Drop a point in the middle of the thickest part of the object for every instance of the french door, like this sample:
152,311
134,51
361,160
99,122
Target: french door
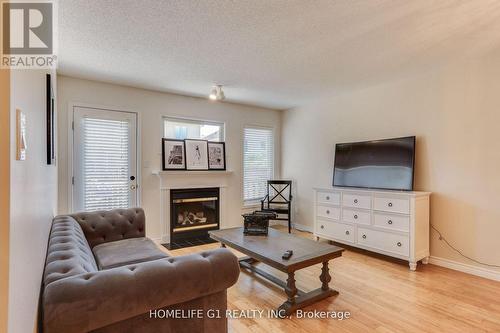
104,159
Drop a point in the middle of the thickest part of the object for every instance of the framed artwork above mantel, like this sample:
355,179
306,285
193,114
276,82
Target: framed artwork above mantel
173,154
216,156
196,154
193,155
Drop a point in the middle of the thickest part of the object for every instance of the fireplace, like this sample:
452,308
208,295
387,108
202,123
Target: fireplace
193,212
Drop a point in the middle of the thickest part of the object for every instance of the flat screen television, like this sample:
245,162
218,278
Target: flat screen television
379,164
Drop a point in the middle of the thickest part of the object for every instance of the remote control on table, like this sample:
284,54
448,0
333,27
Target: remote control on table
287,255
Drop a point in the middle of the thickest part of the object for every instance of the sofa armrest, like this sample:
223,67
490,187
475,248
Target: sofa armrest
112,225
93,300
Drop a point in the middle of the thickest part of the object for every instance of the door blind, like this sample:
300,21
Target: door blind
258,162
105,164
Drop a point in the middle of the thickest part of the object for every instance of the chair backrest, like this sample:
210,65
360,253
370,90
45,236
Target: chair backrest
279,191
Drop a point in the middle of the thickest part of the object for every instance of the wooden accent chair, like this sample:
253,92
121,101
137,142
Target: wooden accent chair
279,200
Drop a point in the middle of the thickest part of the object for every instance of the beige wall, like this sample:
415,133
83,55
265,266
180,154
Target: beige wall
4,195
455,114
33,200
152,106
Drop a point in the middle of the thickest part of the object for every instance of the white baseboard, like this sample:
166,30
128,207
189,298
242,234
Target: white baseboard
466,268
156,240
276,222
297,226
160,240
302,227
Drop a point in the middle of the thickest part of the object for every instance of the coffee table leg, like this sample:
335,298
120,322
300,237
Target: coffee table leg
293,303
291,289
325,277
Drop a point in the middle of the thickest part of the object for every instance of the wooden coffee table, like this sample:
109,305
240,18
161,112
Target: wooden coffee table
269,249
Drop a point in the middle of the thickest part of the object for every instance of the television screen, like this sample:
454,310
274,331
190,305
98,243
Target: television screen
382,164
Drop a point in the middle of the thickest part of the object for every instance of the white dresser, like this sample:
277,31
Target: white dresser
394,223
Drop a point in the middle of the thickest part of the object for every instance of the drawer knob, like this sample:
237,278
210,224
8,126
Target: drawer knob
347,232
328,211
389,222
389,204
399,244
355,200
355,216
327,197
322,227
364,236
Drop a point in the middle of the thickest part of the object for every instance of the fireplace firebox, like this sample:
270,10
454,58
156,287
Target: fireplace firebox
194,212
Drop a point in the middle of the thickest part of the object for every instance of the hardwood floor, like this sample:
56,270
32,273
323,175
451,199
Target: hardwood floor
381,294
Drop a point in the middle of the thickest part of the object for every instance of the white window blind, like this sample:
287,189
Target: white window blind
258,162
105,164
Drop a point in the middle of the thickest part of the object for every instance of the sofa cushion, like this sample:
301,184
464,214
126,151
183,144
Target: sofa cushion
126,252
68,253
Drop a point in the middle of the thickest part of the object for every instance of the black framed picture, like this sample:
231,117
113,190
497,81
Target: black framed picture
196,154
51,132
216,155
173,154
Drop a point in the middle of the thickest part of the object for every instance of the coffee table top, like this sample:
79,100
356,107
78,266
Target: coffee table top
270,248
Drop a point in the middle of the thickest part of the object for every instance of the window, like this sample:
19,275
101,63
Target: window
258,162
176,128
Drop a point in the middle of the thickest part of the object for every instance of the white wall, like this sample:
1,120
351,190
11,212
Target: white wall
152,106
33,200
455,114
4,195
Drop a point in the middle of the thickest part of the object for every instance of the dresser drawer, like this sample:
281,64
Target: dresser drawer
393,222
328,212
335,230
355,216
384,241
394,205
356,200
328,198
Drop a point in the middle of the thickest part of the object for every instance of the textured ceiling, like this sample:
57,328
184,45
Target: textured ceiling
272,53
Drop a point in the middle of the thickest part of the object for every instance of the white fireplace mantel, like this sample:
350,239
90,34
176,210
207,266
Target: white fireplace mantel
169,180
192,173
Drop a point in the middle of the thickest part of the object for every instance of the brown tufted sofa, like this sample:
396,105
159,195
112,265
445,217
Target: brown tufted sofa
103,275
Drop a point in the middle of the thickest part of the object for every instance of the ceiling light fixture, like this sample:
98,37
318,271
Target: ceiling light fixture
217,94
